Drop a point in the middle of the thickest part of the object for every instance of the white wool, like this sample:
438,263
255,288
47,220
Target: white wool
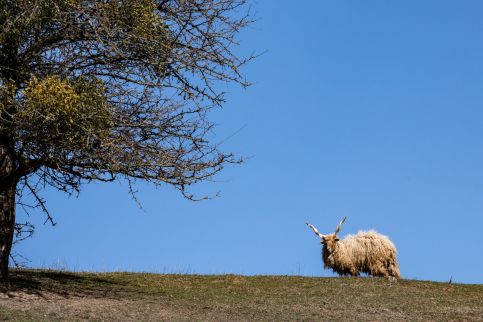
367,252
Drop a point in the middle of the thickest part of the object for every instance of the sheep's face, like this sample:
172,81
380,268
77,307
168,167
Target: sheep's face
330,242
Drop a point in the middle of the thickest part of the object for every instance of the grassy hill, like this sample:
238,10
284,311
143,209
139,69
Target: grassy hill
35,295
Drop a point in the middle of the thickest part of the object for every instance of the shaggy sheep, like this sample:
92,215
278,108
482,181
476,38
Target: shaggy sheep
367,252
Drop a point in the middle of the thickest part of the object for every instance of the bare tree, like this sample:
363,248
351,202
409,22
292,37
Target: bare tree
102,90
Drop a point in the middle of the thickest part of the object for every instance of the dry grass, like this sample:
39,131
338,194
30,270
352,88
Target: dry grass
60,296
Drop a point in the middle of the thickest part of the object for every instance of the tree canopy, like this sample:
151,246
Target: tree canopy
101,90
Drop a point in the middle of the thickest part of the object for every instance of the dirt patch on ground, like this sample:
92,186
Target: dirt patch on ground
53,307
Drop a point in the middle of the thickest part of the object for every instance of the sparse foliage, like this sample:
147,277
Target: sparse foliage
101,90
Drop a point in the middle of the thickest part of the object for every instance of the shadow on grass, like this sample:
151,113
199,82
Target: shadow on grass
65,284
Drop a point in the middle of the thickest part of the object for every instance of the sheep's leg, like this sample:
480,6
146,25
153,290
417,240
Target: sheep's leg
354,272
379,270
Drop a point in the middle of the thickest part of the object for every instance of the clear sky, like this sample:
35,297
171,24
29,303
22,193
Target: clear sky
366,109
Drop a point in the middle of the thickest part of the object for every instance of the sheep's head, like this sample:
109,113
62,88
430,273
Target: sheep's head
330,240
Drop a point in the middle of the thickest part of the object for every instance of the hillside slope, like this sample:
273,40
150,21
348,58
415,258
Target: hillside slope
58,296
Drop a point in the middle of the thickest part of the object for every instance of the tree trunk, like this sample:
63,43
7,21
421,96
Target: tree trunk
7,209
7,224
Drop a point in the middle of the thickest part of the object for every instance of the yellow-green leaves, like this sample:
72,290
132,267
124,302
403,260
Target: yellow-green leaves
140,16
54,99
137,17
22,18
74,110
7,95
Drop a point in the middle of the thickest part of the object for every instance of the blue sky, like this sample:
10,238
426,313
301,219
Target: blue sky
366,109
